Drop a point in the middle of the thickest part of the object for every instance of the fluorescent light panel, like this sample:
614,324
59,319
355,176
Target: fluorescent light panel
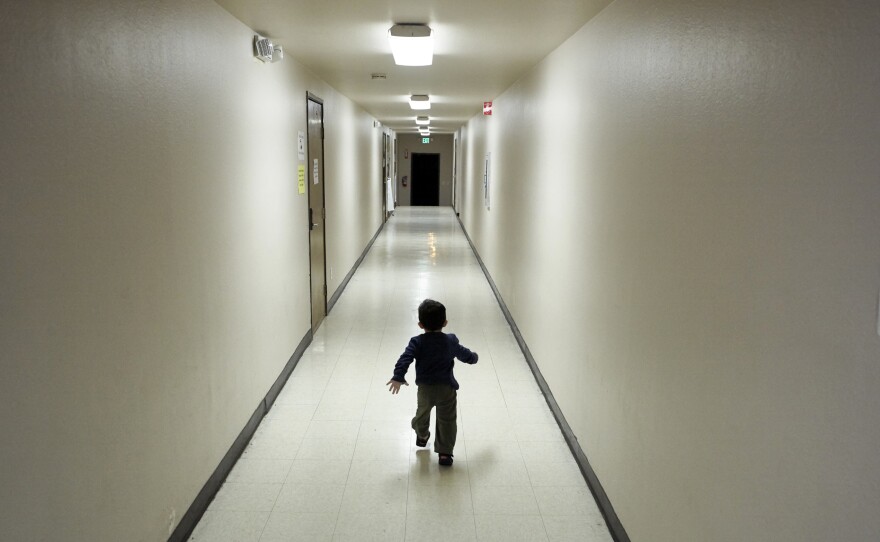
423,120
420,101
411,44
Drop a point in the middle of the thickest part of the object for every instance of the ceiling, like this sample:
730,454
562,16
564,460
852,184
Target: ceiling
480,48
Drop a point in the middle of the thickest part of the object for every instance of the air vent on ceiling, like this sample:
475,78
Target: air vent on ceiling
375,76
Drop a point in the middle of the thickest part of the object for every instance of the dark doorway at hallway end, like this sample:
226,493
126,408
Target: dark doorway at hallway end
425,179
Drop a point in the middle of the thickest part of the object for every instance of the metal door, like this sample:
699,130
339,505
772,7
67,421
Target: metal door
318,277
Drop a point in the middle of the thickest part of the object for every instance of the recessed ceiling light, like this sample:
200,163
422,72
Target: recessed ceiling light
420,101
411,44
422,120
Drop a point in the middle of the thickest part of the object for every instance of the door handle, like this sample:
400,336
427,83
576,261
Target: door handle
312,223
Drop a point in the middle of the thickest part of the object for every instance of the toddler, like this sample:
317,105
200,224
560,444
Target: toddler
434,353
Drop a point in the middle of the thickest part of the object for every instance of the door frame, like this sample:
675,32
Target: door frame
316,322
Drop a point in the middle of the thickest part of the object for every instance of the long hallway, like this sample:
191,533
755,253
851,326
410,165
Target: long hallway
335,458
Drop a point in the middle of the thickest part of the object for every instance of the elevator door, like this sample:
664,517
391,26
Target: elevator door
315,181
425,179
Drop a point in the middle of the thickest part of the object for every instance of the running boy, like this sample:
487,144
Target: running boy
433,352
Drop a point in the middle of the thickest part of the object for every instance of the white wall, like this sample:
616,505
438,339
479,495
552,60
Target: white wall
685,221
408,144
353,196
155,272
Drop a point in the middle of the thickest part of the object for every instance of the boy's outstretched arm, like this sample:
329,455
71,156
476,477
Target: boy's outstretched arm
464,354
401,367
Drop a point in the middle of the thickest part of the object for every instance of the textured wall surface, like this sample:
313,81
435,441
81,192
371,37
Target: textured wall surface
684,223
154,278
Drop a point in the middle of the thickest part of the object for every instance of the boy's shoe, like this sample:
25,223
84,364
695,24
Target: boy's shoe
421,442
446,460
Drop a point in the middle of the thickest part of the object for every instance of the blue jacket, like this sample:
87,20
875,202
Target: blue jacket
434,353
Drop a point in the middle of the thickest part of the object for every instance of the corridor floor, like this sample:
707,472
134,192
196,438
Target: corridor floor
335,458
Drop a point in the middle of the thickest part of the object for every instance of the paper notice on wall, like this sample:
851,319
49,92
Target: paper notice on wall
301,178
315,171
301,145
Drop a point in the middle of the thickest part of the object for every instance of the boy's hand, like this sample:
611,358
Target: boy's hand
394,386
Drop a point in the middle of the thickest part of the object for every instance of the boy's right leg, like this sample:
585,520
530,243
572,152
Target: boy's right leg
446,400
422,421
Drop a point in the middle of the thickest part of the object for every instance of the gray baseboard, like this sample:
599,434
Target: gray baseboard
198,507
611,520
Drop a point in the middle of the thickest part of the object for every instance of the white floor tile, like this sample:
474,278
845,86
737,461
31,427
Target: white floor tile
230,526
318,471
259,471
498,473
309,499
555,474
282,429
370,528
368,449
288,527
388,429
545,452
338,412
335,449
510,528
518,500
384,499
432,527
324,429
440,499
538,432
379,472
246,497
566,501
575,529
266,447
493,450
531,415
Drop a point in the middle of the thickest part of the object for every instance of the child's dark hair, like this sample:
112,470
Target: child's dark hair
432,315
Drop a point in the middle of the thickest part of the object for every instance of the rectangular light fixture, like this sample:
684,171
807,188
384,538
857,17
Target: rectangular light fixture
411,44
422,120
420,101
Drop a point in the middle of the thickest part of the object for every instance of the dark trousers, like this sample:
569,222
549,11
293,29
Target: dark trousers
443,397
